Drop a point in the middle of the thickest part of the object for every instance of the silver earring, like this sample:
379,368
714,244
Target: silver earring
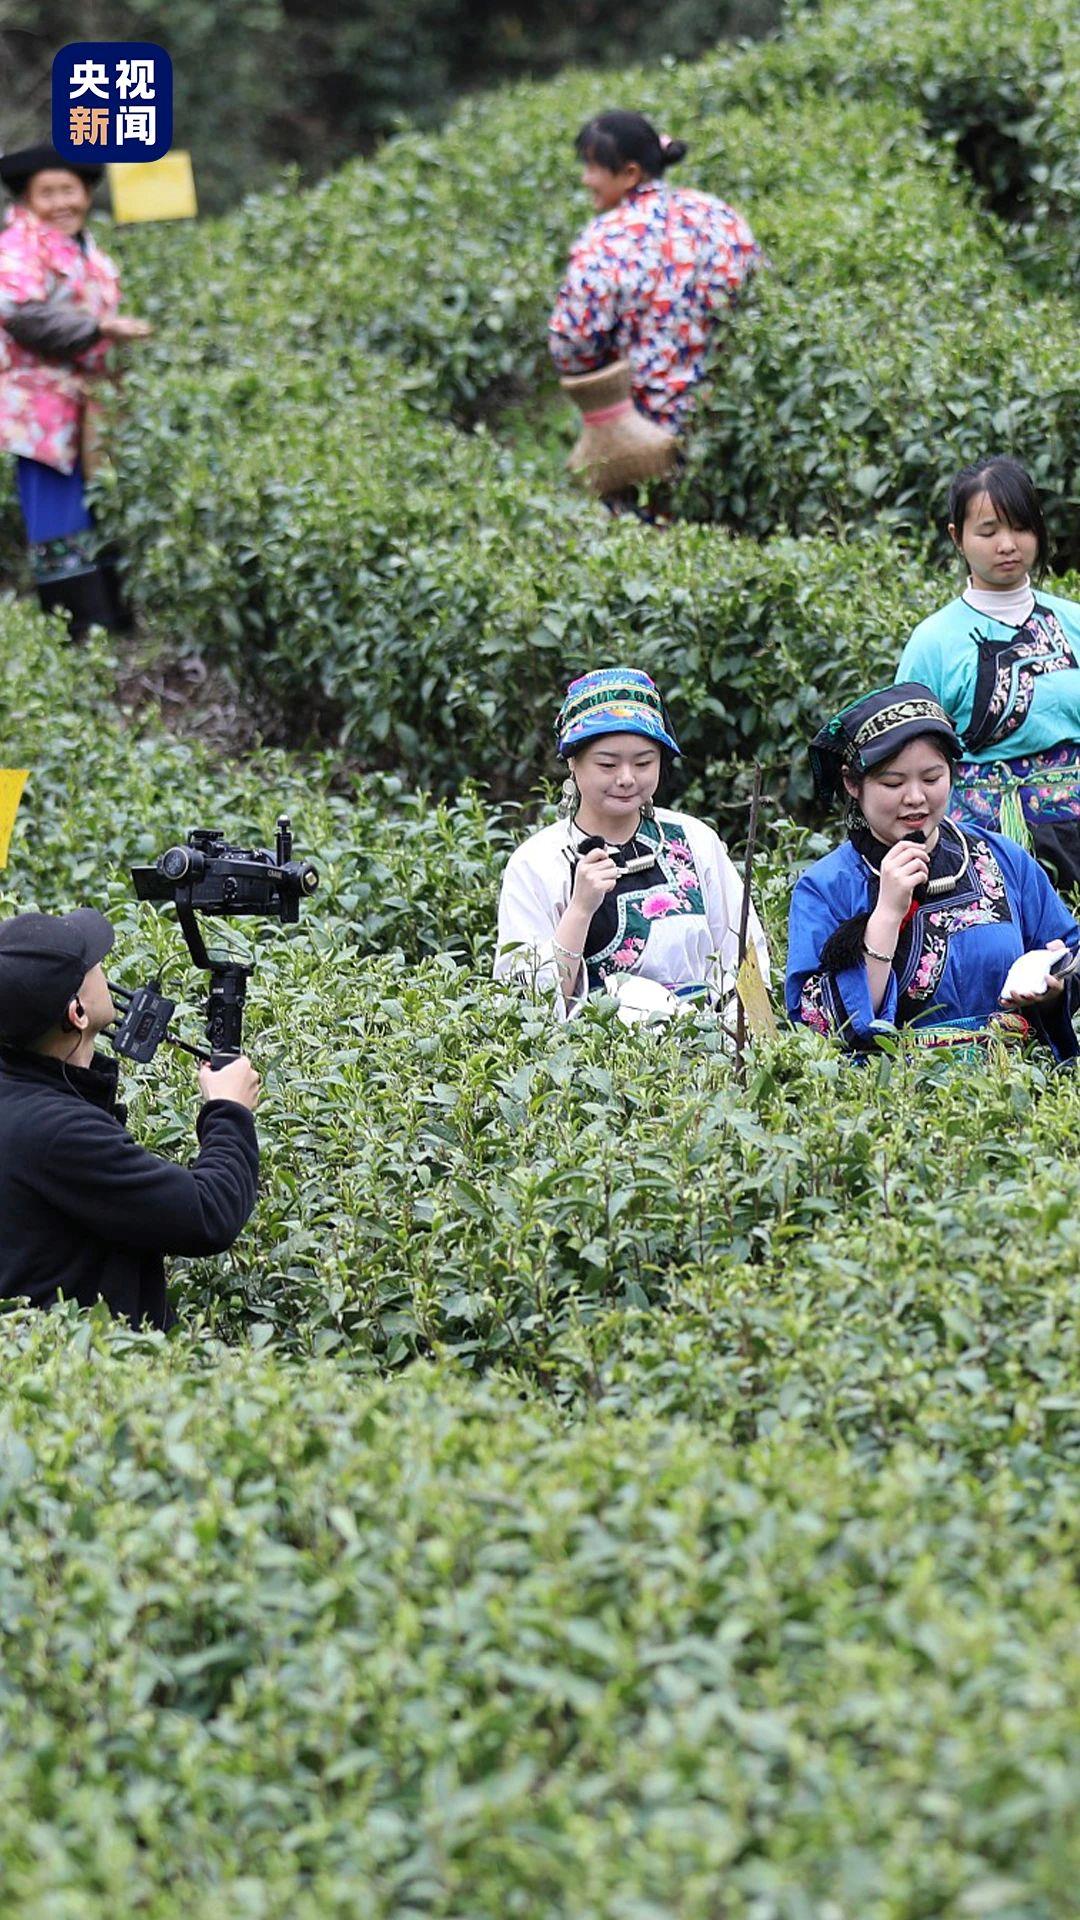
570,799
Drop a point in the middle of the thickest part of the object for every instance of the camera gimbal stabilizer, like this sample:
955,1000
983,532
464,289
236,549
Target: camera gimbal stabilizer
208,876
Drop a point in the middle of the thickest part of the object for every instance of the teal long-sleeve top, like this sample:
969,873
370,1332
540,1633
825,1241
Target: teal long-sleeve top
1009,691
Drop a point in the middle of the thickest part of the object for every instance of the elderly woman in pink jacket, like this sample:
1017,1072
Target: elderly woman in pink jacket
59,300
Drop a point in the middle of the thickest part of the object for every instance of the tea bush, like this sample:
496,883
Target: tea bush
407,874
529,1191
1000,90
430,618
594,1484
309,1646
374,575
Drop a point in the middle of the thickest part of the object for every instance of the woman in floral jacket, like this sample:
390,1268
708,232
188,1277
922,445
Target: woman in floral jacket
620,886
649,278
59,296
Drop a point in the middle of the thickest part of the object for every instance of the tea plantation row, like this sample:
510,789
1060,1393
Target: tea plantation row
283,1644
594,1487
446,1171
374,575
717,1546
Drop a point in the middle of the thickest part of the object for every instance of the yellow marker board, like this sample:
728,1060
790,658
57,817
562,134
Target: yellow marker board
11,787
153,189
754,995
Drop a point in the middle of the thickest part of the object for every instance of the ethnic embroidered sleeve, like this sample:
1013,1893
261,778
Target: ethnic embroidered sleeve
834,1001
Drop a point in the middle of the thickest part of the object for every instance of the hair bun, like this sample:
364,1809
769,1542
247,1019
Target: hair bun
672,151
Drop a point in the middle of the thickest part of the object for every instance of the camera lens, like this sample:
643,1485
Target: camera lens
175,864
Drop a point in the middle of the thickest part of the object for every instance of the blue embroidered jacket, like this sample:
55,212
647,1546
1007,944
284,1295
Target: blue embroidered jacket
952,958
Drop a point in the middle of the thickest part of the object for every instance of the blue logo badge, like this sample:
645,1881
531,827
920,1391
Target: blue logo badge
112,100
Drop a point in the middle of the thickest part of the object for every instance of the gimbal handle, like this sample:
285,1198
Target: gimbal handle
225,1010
228,989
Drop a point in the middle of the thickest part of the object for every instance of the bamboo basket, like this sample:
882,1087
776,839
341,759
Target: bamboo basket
618,446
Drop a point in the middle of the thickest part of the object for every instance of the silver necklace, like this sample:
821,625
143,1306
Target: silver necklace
946,881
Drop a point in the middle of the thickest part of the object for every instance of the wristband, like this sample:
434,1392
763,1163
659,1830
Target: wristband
871,955
565,953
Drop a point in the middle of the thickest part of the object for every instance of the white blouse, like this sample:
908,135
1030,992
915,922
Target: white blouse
681,933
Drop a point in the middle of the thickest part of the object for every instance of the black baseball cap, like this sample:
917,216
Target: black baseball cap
44,959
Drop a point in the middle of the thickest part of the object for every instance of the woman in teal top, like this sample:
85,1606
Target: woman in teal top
1004,661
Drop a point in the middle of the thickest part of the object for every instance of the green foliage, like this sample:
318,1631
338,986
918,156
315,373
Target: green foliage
400,873
429,615
1000,91
418,1649
594,1484
530,1191
260,84
419,592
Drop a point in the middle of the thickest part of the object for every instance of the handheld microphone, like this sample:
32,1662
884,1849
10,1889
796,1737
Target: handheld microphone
594,840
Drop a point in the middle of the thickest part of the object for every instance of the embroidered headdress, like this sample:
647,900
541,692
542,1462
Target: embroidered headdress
612,700
873,729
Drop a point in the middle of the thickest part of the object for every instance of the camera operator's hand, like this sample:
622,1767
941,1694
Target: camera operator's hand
238,1081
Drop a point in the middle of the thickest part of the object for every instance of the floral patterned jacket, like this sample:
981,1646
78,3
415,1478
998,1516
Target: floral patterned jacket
42,399
646,281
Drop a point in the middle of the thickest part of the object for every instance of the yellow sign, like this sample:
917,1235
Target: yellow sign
153,189
11,787
754,995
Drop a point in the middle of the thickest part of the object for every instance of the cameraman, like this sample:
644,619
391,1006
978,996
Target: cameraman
84,1210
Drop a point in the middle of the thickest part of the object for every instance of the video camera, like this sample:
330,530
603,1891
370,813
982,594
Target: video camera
208,876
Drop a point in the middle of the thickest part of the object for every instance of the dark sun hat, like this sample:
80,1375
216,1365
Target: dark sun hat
18,169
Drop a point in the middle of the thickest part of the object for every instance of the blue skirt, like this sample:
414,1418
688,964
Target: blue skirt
53,504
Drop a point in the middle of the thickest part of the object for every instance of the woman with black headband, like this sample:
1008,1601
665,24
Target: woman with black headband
916,921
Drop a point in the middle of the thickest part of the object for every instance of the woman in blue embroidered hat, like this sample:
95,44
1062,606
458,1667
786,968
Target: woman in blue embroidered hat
618,886
917,921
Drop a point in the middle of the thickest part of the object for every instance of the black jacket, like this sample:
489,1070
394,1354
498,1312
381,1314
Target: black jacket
86,1212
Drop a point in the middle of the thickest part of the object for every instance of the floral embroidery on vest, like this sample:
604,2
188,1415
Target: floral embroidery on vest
817,1004
979,900
640,909
1007,671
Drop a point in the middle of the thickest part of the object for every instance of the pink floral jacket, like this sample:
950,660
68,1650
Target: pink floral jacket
41,400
